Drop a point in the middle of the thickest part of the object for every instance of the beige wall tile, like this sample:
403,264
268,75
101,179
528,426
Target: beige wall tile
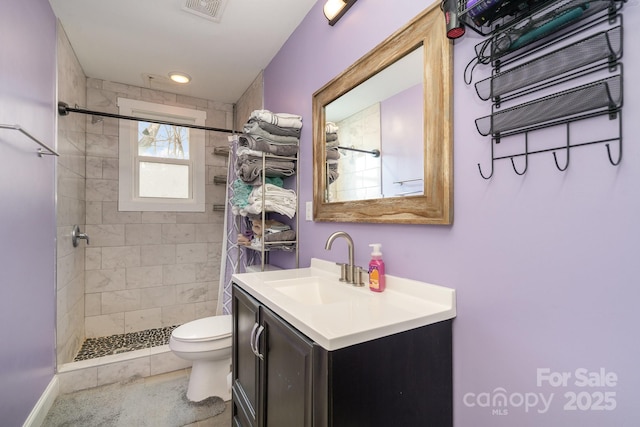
157,254
159,217
123,371
93,304
207,272
94,213
120,256
111,215
78,380
104,325
140,320
120,301
191,293
159,296
102,145
106,234
208,233
110,168
167,362
105,280
100,190
144,277
191,253
178,314
123,90
93,258
178,233
143,234
206,309
94,167
178,273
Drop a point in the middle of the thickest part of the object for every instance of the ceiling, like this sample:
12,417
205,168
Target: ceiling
138,42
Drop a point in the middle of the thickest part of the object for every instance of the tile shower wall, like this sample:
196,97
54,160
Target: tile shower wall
148,269
360,173
70,204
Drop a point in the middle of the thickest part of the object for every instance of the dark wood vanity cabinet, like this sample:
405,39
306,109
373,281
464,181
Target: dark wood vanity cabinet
272,368
289,381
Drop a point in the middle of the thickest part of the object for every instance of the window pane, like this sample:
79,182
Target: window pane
164,180
165,141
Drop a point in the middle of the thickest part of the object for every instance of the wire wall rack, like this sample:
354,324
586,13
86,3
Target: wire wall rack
486,16
562,75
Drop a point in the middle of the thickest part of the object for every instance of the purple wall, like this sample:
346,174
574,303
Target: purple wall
401,129
27,213
545,265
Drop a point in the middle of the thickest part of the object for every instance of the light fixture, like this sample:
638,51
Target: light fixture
334,9
181,78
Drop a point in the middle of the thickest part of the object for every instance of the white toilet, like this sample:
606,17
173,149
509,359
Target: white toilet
207,343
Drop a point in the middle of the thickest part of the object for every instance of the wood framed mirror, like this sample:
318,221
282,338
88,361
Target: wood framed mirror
423,38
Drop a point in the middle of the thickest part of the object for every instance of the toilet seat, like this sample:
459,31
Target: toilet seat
205,329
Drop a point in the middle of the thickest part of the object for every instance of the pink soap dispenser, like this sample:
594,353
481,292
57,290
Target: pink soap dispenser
376,269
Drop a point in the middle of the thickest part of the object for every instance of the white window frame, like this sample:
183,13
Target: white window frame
128,199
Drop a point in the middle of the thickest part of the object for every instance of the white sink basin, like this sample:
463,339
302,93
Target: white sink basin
336,314
315,290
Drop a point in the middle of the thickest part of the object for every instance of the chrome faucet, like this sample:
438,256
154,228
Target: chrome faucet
349,273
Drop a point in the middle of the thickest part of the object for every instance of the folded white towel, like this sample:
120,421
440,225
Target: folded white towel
285,120
331,127
276,199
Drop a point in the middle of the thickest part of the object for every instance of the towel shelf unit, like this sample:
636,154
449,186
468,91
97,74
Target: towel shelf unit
41,151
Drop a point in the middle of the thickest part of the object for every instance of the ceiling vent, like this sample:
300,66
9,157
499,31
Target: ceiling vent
209,9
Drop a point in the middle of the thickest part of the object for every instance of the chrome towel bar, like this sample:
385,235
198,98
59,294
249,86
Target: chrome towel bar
49,152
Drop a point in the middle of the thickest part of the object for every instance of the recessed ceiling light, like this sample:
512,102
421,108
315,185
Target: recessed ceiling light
180,77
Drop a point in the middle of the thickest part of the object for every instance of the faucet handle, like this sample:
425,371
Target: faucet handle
360,274
343,272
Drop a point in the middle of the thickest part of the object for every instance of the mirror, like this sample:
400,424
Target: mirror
408,123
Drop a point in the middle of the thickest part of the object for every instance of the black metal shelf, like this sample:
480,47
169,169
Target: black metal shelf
604,46
486,16
605,94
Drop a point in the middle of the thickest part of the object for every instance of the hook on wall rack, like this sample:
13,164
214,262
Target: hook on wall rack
555,150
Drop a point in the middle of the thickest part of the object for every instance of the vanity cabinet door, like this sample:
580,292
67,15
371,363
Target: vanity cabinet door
287,374
245,363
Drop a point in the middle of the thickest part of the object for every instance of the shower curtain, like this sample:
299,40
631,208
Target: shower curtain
234,258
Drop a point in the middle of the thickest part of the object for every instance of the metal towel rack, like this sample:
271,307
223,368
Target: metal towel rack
41,152
375,152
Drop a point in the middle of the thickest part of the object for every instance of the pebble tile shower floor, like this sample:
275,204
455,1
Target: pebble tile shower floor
121,343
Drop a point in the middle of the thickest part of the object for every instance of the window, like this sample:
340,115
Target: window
161,166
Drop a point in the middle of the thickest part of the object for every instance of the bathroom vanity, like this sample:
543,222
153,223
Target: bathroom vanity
309,350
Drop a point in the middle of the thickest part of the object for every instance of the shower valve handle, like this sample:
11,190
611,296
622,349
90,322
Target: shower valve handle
77,235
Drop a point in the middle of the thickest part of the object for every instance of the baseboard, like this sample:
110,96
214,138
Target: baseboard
40,410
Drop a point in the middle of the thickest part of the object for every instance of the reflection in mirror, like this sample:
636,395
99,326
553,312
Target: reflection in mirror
373,134
411,180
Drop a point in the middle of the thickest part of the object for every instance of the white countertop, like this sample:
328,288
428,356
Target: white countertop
405,304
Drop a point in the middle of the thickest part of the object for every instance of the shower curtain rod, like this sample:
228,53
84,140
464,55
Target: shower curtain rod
64,110
374,152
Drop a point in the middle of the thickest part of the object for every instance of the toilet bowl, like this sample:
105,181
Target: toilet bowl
207,343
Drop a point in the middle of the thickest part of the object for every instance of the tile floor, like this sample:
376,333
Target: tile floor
221,420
